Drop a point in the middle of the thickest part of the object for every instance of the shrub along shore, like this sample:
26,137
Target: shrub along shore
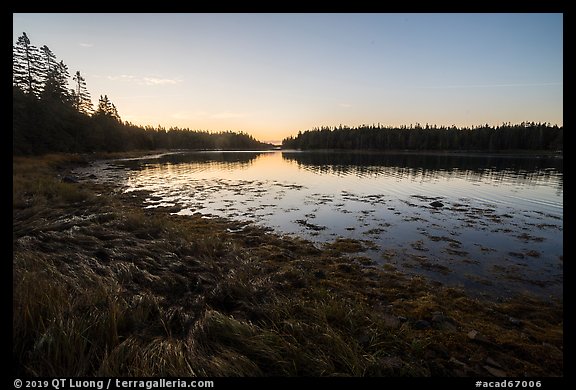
103,287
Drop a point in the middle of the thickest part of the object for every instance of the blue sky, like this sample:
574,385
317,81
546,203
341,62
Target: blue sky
271,75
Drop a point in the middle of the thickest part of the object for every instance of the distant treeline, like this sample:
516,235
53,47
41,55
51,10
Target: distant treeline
48,116
523,136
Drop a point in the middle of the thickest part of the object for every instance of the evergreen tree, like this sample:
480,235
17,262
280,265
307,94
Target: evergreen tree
48,117
107,108
49,59
27,66
56,84
82,101
525,136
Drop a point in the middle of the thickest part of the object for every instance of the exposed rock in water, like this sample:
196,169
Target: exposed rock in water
309,225
437,204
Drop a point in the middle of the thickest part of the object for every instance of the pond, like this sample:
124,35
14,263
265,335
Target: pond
492,224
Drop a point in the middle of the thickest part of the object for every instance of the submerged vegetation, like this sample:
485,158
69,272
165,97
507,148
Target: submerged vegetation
102,286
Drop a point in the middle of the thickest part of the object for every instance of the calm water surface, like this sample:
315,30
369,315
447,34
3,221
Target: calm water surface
498,232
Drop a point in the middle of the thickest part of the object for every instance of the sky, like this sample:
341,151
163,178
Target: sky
274,74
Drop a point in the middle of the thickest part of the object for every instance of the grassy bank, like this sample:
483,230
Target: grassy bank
104,287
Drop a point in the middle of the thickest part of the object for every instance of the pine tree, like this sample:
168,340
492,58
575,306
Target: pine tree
49,59
107,108
27,66
114,112
56,84
82,101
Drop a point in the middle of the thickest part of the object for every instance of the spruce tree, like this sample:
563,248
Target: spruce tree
48,59
27,66
56,84
107,108
82,101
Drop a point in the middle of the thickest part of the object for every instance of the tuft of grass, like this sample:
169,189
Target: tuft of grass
34,182
346,245
57,318
159,356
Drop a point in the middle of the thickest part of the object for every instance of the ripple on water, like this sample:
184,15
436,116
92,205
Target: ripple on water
487,215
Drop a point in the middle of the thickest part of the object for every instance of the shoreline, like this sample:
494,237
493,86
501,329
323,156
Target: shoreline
481,267
448,152
239,298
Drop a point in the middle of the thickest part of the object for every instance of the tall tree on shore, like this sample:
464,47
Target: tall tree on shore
56,84
107,108
82,101
27,66
48,58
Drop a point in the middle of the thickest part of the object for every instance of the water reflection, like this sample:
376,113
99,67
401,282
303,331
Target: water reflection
222,159
476,167
499,231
